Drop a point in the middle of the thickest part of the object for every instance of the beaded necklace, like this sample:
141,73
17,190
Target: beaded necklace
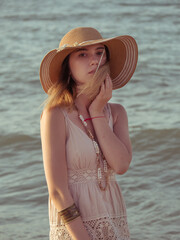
102,173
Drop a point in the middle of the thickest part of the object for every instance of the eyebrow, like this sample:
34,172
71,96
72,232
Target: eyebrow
85,49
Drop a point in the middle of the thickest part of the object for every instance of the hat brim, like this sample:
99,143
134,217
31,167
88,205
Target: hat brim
123,60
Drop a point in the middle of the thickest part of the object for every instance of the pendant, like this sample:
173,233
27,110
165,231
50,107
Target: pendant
99,173
96,147
105,166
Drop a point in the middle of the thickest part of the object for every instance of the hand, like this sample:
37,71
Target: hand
102,98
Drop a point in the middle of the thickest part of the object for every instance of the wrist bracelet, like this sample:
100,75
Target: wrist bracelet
93,118
69,214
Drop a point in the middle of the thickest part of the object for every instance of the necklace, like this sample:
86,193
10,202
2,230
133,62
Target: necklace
102,172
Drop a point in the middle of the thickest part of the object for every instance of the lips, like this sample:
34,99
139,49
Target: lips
92,71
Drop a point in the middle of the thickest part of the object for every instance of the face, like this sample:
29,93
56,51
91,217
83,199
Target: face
84,61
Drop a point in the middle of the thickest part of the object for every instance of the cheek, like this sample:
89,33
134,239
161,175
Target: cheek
75,70
72,66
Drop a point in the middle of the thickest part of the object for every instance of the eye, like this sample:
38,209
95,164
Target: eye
99,53
82,55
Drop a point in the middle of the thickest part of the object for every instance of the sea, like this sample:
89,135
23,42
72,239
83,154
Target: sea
151,187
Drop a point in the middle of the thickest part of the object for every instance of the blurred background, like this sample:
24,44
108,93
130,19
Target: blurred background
151,187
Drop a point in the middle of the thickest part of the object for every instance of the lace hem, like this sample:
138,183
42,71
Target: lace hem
115,228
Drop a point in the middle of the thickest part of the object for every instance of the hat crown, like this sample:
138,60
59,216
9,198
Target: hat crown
79,35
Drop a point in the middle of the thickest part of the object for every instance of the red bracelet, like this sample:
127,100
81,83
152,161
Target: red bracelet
93,118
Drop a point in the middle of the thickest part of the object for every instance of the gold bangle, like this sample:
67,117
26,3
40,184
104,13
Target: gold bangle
69,214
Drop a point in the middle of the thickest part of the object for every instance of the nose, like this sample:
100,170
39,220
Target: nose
94,60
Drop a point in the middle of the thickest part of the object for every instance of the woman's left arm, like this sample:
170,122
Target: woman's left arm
116,144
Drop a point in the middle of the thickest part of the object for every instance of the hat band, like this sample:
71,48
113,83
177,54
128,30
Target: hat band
76,44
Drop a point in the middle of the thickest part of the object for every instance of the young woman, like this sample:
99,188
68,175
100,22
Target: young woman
85,139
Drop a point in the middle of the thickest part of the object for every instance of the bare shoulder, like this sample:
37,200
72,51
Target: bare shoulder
53,118
52,114
118,111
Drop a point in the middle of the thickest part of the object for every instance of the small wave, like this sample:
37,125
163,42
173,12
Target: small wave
157,144
150,4
161,135
35,17
15,139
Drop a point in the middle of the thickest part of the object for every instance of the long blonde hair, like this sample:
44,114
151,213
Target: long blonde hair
63,93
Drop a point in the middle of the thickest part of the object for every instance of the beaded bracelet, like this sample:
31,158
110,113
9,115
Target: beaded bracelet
93,118
69,214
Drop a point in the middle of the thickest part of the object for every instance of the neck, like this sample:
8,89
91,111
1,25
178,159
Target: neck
82,103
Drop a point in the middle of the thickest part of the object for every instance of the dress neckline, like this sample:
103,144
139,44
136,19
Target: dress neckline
77,126
107,108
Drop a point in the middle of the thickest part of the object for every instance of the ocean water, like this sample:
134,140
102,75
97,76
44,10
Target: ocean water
151,187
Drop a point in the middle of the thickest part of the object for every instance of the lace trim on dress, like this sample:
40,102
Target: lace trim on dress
84,175
106,228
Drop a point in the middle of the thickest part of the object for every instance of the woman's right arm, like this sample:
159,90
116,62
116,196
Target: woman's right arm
53,139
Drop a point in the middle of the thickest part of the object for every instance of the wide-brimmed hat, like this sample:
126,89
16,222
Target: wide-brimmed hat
123,55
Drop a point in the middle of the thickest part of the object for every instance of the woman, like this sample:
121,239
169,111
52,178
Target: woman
85,139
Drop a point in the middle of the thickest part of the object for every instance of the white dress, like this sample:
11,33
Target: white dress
103,212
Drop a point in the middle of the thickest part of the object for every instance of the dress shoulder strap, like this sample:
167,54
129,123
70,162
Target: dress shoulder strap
66,120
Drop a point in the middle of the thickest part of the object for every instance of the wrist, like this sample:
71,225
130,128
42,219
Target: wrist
94,113
91,118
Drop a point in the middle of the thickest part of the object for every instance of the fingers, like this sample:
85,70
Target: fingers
104,95
102,89
108,82
106,88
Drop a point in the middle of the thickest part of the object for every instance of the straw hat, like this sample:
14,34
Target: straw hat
123,53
